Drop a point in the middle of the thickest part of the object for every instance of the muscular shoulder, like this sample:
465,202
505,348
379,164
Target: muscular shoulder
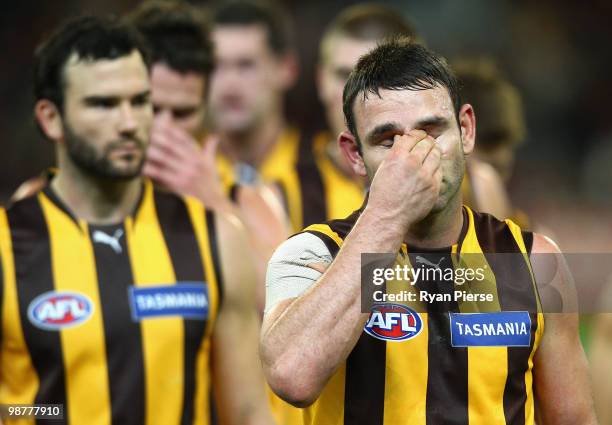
544,245
556,286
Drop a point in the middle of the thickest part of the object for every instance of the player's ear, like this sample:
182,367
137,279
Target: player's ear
49,119
352,152
467,126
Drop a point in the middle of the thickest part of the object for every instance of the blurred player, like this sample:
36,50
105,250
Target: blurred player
353,33
178,158
255,66
121,302
501,127
409,134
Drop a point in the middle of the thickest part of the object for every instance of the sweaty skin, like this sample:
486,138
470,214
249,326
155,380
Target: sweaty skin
414,198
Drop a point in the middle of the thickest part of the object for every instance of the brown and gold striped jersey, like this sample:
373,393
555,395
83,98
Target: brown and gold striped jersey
429,378
114,321
312,187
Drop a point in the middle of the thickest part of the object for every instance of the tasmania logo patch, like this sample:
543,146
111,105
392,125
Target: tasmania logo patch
393,322
55,310
183,299
502,329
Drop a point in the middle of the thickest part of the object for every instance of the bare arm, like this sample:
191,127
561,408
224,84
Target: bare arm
304,340
600,354
266,231
238,380
562,387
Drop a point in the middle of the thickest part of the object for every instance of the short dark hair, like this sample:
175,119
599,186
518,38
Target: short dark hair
178,35
90,38
496,101
397,64
368,22
271,16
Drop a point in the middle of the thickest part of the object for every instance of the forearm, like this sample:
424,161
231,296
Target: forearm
561,377
239,383
308,355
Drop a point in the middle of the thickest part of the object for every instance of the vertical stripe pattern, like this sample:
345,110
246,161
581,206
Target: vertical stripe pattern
485,388
447,378
425,380
206,235
213,249
123,337
494,238
162,338
101,362
83,346
186,261
312,190
31,251
19,378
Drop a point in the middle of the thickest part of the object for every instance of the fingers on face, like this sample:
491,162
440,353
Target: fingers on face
408,141
173,139
431,164
422,149
165,174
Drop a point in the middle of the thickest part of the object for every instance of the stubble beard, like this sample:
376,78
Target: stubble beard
88,160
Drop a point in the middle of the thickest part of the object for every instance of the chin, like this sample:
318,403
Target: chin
233,121
124,175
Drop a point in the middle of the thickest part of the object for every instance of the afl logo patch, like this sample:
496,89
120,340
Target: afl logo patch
58,310
393,322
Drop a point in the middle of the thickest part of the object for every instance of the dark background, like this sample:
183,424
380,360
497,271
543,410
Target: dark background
557,53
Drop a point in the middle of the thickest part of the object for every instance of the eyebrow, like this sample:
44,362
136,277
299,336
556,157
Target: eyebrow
433,121
381,129
388,127
96,97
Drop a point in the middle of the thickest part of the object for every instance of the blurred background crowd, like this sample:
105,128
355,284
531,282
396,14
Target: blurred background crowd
556,54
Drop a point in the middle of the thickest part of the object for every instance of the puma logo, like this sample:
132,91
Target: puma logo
112,241
422,260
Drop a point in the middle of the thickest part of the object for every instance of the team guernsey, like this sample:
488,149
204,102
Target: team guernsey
457,361
313,189
114,322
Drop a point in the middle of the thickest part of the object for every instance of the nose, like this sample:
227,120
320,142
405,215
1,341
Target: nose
226,78
127,121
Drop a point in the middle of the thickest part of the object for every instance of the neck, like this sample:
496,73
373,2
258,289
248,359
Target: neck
439,229
93,199
254,145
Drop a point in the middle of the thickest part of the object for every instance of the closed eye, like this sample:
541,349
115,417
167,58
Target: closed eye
434,127
387,139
